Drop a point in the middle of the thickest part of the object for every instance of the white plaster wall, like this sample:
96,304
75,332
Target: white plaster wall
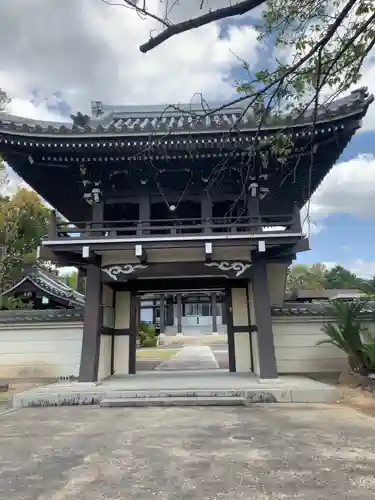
104,369
296,349
121,355
121,347
105,357
242,350
276,276
239,307
254,335
107,304
40,350
241,339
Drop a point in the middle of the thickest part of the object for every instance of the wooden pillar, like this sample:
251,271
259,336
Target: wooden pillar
97,212
92,321
179,313
253,212
97,216
144,213
154,312
223,313
81,281
206,211
169,307
296,226
227,305
262,307
213,312
133,331
162,313
52,226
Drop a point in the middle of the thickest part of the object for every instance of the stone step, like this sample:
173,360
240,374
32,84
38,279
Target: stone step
172,401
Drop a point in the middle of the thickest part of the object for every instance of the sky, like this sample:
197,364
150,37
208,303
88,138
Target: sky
57,56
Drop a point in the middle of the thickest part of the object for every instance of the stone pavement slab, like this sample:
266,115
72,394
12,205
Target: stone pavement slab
300,452
191,358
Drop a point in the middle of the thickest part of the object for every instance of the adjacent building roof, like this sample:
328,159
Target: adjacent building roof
41,315
323,294
50,285
67,315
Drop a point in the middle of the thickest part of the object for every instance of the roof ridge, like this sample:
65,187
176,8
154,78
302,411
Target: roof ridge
146,119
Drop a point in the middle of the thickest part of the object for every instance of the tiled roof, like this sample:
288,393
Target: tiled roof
323,293
57,315
52,285
141,120
41,316
317,309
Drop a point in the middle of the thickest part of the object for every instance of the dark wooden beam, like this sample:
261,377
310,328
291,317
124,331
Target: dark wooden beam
162,313
81,281
133,327
262,306
296,225
176,284
92,323
179,313
206,210
303,245
251,328
230,330
52,226
61,258
213,312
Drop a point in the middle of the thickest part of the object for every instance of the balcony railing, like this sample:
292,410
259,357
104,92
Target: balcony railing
174,227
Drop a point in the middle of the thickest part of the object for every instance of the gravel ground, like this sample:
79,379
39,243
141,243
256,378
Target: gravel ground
307,452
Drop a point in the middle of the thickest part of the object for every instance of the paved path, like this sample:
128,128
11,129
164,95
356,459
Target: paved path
271,452
191,358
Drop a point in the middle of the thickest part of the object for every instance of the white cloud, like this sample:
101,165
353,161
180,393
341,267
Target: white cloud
24,108
90,51
348,188
362,268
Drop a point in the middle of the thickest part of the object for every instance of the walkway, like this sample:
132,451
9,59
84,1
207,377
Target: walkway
191,358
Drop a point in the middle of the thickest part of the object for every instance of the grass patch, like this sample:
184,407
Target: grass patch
5,396
156,353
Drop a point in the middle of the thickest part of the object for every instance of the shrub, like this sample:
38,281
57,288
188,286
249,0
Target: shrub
369,354
150,342
148,329
346,333
147,335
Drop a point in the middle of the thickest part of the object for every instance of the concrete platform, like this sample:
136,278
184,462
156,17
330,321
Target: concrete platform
183,384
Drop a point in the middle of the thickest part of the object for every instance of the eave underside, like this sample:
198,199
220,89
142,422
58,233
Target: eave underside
54,171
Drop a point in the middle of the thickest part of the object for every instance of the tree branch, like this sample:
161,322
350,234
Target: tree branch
292,69
196,22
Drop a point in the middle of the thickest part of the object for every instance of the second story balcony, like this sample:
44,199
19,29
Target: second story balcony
194,245
183,229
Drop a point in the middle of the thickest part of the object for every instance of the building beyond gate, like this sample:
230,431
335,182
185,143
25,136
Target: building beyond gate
175,203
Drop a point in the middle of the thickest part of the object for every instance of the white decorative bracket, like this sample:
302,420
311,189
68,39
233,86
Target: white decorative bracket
114,271
238,267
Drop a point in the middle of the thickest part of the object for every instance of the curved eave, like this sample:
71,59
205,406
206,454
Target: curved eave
66,301
128,128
